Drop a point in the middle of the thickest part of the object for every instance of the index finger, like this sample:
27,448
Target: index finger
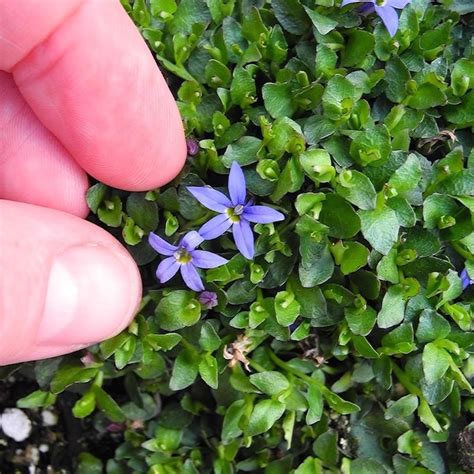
87,74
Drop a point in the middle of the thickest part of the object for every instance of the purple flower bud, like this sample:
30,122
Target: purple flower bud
192,146
115,427
208,299
88,359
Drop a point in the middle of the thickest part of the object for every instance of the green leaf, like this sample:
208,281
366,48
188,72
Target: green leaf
189,13
208,370
355,257
110,211
367,466
287,308
436,362
143,212
360,320
436,207
217,74
405,214
279,100
396,78
37,399
339,404
243,90
243,151
177,310
270,382
164,342
371,146
458,184
432,326
108,405
69,375
185,370
462,114
89,464
402,408
209,339
407,176
393,307
318,127
231,424
95,195
380,228
387,268
317,165
322,23
316,264
85,405
357,188
310,466
424,242
291,16
264,416
314,398
339,98
426,96
340,217
325,447
359,46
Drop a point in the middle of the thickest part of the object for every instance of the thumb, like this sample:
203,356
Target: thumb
66,284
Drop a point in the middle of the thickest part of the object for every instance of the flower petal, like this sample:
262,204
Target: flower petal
204,259
167,269
346,2
262,214
215,227
237,186
191,240
210,198
160,245
398,3
243,237
191,277
389,17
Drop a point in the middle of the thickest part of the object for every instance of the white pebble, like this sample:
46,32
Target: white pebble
15,424
44,448
49,418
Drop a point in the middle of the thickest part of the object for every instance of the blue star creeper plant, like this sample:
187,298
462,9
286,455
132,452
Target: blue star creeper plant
346,344
237,212
185,258
385,9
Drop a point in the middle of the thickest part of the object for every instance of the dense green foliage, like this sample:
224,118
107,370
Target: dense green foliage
351,318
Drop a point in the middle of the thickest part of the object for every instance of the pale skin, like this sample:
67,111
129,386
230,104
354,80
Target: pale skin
79,94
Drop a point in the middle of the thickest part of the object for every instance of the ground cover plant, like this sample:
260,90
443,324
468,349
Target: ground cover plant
308,295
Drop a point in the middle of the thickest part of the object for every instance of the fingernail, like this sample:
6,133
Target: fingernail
92,294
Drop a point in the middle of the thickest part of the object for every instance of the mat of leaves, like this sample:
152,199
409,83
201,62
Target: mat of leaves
345,344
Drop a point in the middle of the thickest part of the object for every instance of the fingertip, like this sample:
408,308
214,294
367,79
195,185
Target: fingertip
92,294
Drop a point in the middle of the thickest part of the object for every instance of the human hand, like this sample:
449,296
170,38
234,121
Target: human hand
79,92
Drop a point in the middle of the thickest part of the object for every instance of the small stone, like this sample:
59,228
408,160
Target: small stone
49,418
15,424
43,448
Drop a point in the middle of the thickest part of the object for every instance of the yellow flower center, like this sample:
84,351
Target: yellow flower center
182,256
234,213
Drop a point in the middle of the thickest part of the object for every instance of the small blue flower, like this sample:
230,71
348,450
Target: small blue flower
465,279
385,9
236,212
185,258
